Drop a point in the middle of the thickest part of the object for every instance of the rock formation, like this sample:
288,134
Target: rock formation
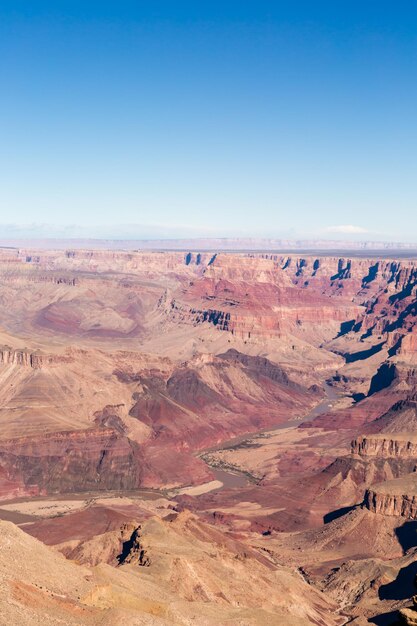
266,393
197,575
396,497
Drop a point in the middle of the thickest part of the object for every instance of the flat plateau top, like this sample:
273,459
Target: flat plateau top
404,486
345,253
411,437
365,249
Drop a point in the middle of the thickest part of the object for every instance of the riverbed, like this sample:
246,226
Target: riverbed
233,478
228,477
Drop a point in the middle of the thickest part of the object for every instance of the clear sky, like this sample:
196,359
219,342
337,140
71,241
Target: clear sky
189,118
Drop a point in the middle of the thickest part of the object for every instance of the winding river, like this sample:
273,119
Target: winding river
235,479
229,478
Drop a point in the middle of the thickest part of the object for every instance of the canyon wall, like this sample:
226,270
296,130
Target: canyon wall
301,319
397,505
397,446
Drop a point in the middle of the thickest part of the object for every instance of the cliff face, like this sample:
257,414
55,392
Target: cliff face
56,435
309,315
8,356
407,345
48,263
85,460
354,305
374,461
34,360
386,446
263,297
397,497
398,505
352,300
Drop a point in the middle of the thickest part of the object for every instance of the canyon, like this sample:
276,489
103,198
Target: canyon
207,437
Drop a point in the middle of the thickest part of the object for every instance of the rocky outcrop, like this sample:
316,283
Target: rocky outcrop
271,295
35,360
219,319
396,497
397,446
382,466
25,358
64,462
200,404
408,616
133,550
201,576
391,504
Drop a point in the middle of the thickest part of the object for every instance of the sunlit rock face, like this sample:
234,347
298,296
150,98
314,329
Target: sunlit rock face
267,401
191,349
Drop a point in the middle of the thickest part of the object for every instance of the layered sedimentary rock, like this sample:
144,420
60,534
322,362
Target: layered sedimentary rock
269,318
401,416
398,445
273,293
119,368
35,360
257,296
152,421
347,301
395,497
89,459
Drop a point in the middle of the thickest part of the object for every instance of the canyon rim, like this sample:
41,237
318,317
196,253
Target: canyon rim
207,437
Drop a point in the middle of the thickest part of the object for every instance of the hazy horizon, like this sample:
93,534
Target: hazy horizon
219,244
138,232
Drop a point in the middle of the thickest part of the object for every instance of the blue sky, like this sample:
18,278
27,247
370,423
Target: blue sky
138,119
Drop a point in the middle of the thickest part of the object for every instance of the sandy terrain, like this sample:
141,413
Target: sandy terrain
200,489
46,508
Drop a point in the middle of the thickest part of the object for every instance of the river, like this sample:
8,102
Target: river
235,479
229,478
